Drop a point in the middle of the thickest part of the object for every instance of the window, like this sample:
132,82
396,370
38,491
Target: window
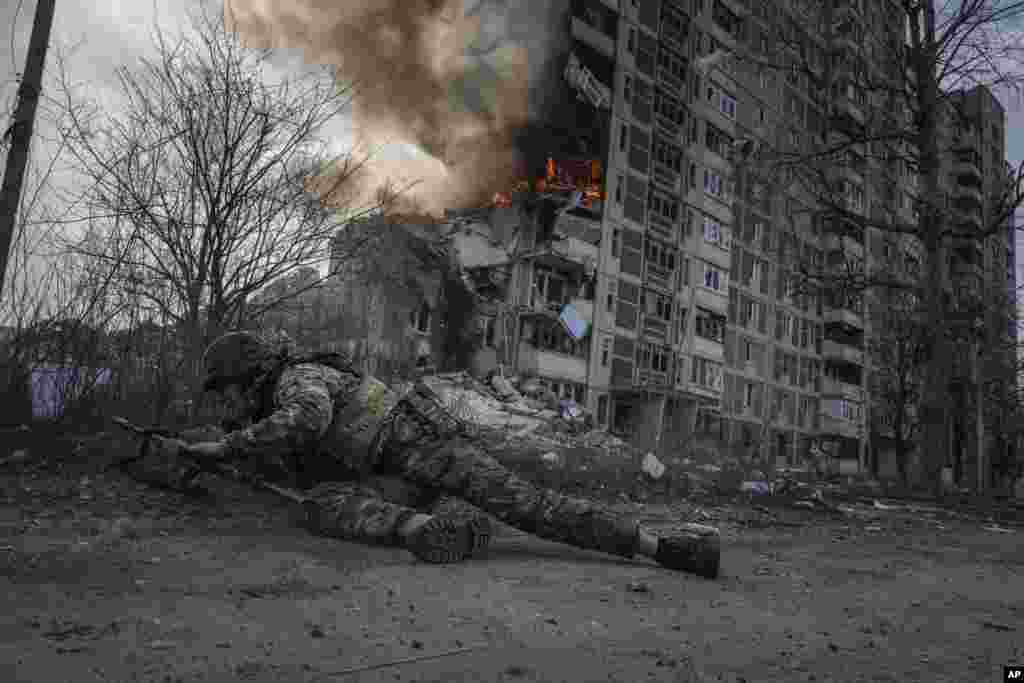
623,136
668,155
783,325
656,305
748,395
727,105
616,242
714,278
613,290
631,42
669,107
665,207
671,65
606,345
710,325
639,149
618,189
627,89
490,332
706,373
653,357
661,255
420,318
714,184
717,141
725,102
854,197
712,231
846,410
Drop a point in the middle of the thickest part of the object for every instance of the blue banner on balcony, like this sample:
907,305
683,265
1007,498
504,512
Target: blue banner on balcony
576,326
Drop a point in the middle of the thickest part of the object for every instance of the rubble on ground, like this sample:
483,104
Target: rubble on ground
554,439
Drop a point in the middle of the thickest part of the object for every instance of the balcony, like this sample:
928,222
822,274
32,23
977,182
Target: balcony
845,316
656,329
666,177
834,388
667,127
551,364
671,82
833,350
712,300
661,227
708,348
836,426
658,277
588,35
569,254
650,379
674,27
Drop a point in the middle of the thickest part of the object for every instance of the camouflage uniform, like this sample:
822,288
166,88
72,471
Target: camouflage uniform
347,426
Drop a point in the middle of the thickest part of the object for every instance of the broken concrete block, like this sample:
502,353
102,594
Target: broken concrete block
652,467
551,459
503,388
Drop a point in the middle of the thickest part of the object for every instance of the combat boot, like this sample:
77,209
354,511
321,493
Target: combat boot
449,538
695,548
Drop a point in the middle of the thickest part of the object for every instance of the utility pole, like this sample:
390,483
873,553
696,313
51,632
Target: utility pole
21,129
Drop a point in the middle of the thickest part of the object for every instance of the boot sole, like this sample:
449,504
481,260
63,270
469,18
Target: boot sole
445,539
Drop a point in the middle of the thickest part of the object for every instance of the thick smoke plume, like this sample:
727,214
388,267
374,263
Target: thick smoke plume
453,80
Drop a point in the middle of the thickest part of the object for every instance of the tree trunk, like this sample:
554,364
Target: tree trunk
935,407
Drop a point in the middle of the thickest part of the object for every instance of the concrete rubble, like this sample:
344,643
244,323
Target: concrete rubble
524,417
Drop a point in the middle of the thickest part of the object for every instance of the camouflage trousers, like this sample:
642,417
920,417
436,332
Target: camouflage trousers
461,468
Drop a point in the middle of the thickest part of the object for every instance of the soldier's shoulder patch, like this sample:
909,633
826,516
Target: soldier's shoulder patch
376,399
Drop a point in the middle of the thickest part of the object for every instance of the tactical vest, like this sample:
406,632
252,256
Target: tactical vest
365,412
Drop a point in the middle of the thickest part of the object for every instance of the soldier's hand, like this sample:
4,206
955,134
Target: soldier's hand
210,450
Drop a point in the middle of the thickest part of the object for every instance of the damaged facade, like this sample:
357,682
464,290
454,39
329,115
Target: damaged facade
640,269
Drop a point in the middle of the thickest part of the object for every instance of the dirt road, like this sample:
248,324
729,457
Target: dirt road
105,581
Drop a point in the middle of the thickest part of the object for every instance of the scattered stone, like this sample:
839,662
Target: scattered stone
317,632
638,587
551,459
652,467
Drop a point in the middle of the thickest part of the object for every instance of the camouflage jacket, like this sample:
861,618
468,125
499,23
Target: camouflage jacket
318,410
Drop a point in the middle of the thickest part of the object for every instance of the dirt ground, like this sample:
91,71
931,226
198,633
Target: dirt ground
105,580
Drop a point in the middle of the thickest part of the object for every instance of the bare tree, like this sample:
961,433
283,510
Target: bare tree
897,352
205,186
887,86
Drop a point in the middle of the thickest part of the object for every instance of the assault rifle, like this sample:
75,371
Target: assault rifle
146,436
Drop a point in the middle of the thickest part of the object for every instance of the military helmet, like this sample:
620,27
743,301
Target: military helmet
235,358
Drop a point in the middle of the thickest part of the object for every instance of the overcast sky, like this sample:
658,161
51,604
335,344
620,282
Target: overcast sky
109,33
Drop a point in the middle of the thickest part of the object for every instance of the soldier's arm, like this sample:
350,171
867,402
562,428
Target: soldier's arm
204,433
305,413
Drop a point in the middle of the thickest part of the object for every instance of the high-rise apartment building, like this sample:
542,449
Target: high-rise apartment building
688,249
698,309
